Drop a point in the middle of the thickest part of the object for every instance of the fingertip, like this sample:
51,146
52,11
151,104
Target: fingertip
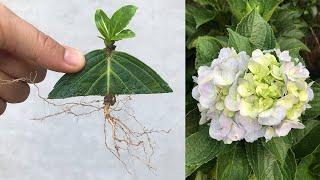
74,59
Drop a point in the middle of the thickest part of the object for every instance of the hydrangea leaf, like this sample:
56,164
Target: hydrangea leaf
313,112
201,148
233,164
238,42
259,32
308,143
201,15
308,166
278,147
192,116
207,49
116,73
240,8
294,46
266,166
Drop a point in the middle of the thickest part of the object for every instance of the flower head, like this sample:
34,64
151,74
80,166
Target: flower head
251,97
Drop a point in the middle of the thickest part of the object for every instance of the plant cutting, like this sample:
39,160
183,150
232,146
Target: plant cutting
252,108
109,73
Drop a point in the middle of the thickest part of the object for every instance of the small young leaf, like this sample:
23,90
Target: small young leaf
103,23
259,32
238,42
121,18
207,49
117,73
125,34
233,164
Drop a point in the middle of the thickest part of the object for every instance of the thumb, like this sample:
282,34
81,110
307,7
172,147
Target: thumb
22,39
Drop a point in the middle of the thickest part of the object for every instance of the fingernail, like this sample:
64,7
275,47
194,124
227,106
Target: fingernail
74,57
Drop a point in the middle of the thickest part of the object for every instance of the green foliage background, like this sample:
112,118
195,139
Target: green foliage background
247,25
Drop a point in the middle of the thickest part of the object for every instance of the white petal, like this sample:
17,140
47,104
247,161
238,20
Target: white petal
236,133
284,128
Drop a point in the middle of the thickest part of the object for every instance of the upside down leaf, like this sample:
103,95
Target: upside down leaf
259,32
117,73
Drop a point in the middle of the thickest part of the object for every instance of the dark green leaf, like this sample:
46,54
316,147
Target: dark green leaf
233,164
238,42
306,167
257,30
117,73
200,149
192,116
127,33
308,143
279,147
103,23
207,49
266,166
298,134
121,18
314,111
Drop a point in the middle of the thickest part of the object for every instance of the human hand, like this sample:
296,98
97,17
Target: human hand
25,52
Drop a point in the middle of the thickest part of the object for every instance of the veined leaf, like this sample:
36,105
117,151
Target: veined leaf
233,164
117,73
103,23
306,167
279,147
127,33
240,8
259,32
121,18
266,166
200,149
294,46
207,49
201,15
238,42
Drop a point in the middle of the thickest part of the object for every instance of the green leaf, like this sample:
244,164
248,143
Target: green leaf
238,42
259,32
200,149
279,147
103,23
233,164
201,15
116,73
125,34
192,116
298,134
121,18
207,49
314,111
266,166
308,143
294,46
305,170
240,8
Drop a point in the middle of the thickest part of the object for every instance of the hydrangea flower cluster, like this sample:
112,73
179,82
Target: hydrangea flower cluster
245,97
